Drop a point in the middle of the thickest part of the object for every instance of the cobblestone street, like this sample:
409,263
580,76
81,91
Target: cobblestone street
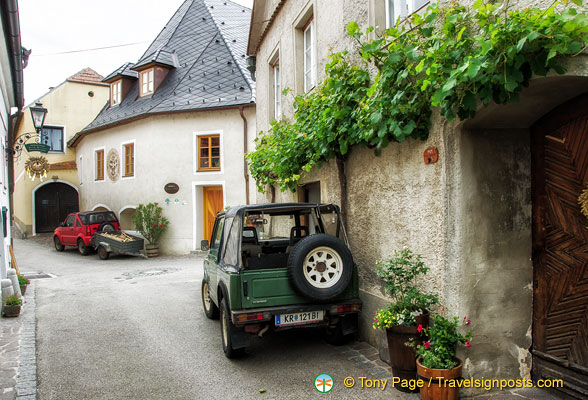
133,328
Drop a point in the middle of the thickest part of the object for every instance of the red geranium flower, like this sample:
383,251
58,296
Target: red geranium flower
467,343
420,328
161,226
155,225
427,344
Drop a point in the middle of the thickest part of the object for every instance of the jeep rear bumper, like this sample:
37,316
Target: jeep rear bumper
258,315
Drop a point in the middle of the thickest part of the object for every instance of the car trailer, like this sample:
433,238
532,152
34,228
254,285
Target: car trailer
119,243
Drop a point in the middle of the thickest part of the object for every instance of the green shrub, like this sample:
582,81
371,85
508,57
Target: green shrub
149,220
13,300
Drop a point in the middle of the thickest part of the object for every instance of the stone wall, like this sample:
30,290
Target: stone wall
468,215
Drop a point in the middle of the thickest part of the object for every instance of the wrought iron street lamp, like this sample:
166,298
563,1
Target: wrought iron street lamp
38,113
32,141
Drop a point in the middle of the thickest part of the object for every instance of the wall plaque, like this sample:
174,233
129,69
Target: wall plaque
112,164
171,188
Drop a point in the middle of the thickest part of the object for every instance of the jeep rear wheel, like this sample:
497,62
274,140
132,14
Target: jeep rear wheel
210,309
82,248
320,266
106,227
227,332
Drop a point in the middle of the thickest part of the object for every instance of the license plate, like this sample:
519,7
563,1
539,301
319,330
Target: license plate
299,318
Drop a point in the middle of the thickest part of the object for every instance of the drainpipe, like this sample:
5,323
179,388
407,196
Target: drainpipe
17,58
13,123
245,166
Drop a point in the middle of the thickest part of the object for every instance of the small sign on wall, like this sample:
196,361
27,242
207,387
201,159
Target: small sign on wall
171,188
431,155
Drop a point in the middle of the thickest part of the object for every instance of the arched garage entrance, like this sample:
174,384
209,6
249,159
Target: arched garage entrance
126,218
53,201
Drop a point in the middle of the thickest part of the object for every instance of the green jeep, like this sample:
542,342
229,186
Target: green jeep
280,266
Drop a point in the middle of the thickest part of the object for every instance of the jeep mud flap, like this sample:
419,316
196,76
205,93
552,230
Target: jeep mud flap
240,339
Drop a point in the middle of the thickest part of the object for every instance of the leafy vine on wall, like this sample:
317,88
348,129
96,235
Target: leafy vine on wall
452,58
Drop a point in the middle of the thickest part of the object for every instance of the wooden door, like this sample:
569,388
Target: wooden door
560,247
212,200
53,202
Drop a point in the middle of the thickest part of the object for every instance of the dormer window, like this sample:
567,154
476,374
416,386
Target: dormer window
146,82
115,93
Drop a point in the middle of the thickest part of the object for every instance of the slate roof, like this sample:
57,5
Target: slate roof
161,57
207,40
124,70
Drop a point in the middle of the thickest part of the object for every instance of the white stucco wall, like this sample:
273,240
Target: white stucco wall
6,102
165,148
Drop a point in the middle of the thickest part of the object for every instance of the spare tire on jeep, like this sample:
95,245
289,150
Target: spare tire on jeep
320,266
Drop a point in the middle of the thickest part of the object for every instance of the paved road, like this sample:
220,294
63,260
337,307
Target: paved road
129,328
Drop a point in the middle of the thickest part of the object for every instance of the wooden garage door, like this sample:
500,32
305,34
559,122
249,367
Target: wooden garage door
560,247
53,202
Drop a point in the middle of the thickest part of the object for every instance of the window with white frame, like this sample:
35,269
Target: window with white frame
115,93
129,160
309,57
53,136
99,158
277,90
146,82
401,9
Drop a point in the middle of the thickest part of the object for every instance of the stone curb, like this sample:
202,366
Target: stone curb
18,369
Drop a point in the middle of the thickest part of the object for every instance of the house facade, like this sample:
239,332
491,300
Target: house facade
497,222
40,204
12,63
175,129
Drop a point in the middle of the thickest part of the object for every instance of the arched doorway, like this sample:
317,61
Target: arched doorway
53,202
126,218
560,246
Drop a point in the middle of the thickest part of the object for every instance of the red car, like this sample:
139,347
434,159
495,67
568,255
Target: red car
79,229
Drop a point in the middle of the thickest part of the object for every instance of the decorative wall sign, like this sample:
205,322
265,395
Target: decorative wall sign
40,147
431,155
37,167
171,188
113,164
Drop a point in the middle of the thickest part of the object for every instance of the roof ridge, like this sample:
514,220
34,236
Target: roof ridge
229,46
174,31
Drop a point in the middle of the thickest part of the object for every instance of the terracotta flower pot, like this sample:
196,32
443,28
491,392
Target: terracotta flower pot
437,382
152,250
402,357
10,311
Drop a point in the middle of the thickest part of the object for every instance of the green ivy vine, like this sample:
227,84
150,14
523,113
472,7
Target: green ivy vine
452,58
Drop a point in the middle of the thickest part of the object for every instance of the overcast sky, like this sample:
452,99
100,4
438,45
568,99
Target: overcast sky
61,26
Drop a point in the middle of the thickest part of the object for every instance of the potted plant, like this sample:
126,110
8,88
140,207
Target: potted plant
23,283
436,362
149,220
11,307
407,314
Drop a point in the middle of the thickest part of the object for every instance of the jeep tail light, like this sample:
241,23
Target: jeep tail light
250,317
345,308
